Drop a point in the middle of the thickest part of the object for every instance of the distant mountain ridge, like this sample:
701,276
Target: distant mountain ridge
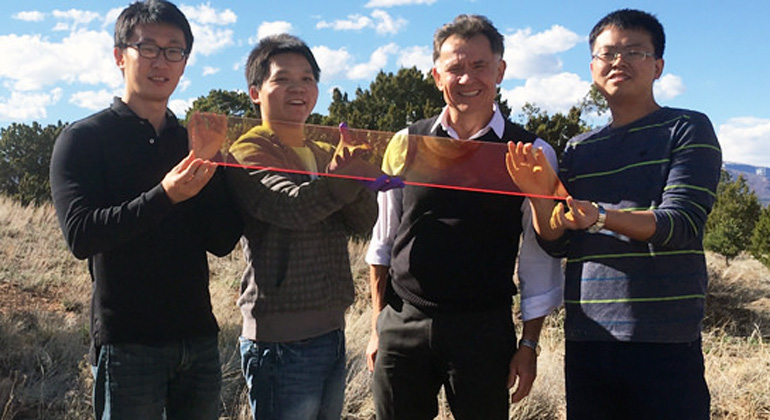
757,178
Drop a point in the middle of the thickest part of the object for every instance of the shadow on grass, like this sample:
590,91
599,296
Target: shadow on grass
42,360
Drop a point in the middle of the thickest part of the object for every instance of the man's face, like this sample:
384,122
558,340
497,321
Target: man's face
151,79
467,72
624,78
289,92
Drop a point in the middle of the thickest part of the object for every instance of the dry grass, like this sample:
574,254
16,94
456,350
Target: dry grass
44,295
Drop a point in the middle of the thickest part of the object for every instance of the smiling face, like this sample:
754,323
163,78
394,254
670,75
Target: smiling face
150,79
289,92
467,72
622,81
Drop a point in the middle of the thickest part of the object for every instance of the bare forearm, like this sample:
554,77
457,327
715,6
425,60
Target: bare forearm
378,277
542,210
638,225
532,329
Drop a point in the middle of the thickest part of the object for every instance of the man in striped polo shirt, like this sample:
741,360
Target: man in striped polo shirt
640,191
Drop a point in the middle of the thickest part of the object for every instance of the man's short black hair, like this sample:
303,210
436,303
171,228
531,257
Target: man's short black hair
151,12
466,27
625,19
258,64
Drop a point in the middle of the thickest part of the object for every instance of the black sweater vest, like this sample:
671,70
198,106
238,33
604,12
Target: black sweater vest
456,250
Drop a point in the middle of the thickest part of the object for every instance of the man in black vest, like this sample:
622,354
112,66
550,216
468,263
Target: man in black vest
442,261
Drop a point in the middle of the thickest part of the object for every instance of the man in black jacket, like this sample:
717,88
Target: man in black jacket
144,211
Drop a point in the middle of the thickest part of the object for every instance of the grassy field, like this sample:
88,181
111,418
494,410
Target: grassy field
44,301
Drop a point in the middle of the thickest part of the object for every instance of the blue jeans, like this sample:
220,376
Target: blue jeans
174,380
299,380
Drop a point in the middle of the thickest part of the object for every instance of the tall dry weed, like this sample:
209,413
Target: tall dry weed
44,373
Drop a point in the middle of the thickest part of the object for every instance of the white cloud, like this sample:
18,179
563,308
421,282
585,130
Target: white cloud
206,23
180,106
421,57
77,18
83,56
352,23
337,64
385,24
208,70
377,61
380,21
745,140
534,55
61,27
241,64
669,86
272,28
209,39
207,15
31,16
111,17
22,106
391,3
93,100
554,93
184,84
333,63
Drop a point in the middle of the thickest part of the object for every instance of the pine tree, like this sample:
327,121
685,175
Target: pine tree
731,222
760,238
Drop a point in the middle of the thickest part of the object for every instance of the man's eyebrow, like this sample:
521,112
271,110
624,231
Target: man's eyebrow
175,42
634,45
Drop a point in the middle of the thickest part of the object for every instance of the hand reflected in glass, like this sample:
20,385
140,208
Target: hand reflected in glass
206,133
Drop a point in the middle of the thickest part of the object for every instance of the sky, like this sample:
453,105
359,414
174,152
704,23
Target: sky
56,61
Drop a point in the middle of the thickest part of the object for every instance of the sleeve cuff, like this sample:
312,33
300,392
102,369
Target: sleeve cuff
378,254
542,304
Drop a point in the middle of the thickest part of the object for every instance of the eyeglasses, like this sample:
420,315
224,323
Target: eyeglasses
172,54
632,56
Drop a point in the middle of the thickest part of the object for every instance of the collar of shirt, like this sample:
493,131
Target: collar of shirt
123,111
496,124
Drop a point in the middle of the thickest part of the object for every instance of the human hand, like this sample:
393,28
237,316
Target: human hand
348,158
206,133
371,350
187,178
581,214
522,372
529,168
356,147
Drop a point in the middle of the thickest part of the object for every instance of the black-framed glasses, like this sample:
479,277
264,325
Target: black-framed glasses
173,54
632,56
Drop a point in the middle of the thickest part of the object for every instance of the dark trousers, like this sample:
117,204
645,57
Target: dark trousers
621,380
469,353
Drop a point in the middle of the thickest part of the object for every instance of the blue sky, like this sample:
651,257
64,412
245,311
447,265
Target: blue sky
56,55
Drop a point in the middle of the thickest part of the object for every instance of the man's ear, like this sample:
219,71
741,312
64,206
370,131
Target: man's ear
500,71
120,59
436,78
254,94
658,68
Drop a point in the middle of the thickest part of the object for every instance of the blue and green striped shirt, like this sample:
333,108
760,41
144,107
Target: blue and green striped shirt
622,289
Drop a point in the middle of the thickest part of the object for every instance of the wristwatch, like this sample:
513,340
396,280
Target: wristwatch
599,223
524,342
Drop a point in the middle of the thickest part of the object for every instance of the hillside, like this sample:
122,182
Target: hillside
757,178
44,301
